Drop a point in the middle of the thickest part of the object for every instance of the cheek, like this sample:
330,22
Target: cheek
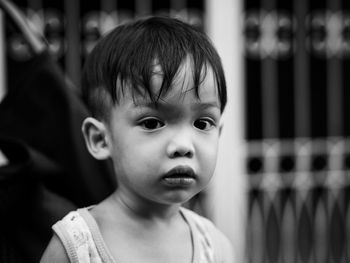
135,156
209,154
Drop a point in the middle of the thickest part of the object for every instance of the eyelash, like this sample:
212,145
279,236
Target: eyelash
205,121
154,124
150,122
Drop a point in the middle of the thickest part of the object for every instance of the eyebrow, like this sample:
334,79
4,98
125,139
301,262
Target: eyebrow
163,105
206,105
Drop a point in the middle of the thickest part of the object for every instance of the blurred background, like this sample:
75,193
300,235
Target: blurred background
296,130
281,191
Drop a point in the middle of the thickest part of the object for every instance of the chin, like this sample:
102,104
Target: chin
177,198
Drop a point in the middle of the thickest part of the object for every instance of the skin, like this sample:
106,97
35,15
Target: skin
146,142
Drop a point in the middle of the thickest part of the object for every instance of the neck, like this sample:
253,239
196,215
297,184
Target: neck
145,209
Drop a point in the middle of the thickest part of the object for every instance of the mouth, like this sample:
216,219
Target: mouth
180,176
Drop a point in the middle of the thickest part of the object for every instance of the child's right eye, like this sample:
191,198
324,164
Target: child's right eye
151,124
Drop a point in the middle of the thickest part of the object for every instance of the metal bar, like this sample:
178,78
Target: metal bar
3,88
73,58
143,7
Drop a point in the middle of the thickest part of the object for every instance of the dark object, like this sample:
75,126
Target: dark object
50,171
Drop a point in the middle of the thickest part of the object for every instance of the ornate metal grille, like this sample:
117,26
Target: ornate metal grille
297,130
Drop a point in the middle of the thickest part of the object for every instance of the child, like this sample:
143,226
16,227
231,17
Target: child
156,90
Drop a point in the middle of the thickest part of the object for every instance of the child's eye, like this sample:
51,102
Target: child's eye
204,124
151,124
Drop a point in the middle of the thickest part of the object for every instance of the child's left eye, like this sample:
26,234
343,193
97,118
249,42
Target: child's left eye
151,124
204,124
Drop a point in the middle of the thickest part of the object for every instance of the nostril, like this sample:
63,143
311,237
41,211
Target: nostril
180,145
188,154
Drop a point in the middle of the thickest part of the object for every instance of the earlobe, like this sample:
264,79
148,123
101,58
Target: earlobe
95,135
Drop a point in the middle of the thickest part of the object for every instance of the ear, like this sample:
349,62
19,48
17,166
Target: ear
96,138
221,125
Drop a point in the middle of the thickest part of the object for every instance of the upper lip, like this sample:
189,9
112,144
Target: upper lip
181,171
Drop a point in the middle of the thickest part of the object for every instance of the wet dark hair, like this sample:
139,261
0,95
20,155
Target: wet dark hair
127,56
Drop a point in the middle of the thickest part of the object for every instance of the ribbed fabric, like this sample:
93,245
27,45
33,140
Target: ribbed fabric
77,239
97,237
67,242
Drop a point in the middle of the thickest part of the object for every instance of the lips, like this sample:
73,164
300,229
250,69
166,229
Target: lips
180,176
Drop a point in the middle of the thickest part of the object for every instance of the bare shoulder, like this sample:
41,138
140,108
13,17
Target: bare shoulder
55,252
221,243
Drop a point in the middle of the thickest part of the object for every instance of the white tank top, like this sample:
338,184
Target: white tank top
83,241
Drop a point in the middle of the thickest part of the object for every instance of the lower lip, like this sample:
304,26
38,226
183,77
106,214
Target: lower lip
178,181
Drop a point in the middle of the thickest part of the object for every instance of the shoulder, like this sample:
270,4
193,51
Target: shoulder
203,224
221,244
55,252
72,241
61,241
72,221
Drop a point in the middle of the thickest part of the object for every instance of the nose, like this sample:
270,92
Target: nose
181,144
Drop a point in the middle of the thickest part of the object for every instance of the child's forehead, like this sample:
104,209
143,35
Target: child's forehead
181,91
181,85
184,79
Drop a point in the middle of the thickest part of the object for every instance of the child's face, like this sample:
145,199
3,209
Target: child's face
166,154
